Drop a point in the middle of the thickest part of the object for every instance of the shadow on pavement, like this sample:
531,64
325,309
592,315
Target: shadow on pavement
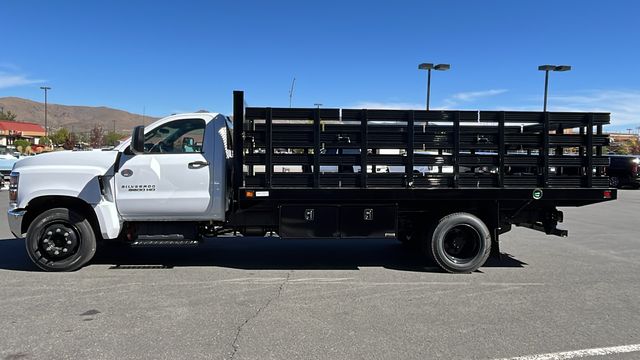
258,254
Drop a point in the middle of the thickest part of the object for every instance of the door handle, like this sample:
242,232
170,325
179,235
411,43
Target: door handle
198,164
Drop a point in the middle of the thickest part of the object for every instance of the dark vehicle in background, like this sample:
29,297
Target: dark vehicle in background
624,171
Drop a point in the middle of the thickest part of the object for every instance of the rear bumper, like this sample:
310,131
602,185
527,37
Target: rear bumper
15,217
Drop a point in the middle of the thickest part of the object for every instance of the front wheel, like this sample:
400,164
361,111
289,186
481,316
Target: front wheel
60,240
460,243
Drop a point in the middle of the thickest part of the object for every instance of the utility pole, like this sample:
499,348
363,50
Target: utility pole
291,91
46,128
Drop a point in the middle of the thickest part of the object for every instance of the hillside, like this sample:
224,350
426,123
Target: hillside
78,118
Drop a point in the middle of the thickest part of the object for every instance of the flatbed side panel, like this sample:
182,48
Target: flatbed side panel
316,148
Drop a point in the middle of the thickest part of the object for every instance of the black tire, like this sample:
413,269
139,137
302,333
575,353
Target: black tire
614,181
60,240
460,243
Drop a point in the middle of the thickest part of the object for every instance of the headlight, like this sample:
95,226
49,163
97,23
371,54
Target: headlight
636,160
14,178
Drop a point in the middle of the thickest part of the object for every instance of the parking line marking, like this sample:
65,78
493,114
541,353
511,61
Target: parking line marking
580,353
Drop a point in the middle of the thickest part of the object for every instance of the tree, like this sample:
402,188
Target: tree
21,145
7,115
96,137
631,146
46,141
112,138
70,142
60,136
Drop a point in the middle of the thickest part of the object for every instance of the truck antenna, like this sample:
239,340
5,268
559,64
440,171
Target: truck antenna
291,91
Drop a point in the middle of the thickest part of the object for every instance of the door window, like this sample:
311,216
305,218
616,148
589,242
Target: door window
176,137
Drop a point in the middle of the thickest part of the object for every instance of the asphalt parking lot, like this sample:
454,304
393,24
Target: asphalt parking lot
319,299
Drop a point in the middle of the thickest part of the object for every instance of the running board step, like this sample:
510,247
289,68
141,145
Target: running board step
164,242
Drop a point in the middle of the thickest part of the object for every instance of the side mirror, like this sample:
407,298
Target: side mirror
137,140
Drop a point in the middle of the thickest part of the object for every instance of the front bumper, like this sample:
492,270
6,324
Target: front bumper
15,221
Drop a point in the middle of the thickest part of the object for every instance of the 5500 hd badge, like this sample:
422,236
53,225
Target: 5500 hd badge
139,187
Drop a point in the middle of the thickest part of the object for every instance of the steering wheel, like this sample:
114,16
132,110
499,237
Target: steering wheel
159,147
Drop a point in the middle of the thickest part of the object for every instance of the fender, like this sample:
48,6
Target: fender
85,175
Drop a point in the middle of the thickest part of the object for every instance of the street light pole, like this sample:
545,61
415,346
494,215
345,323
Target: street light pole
546,89
428,88
546,69
46,128
429,67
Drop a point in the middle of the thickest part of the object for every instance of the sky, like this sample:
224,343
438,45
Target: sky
164,57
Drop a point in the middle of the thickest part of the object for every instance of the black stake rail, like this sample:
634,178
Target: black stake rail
589,168
409,149
363,148
544,150
328,148
269,154
238,142
501,149
316,148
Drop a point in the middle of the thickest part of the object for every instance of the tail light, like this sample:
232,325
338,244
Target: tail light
14,178
634,165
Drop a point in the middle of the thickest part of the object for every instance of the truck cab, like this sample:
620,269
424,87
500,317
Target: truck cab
177,175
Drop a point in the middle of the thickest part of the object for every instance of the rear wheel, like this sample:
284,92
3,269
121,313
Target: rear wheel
60,240
460,243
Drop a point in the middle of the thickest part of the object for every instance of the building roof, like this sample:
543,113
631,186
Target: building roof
20,126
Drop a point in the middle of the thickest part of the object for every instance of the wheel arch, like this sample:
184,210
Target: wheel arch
41,204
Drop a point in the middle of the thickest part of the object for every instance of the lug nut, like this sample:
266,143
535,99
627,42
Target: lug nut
56,252
49,233
58,230
68,242
66,234
64,250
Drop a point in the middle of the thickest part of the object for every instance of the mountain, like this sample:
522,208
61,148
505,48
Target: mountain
77,118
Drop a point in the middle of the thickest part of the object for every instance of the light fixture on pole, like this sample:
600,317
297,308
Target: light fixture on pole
46,128
429,67
546,69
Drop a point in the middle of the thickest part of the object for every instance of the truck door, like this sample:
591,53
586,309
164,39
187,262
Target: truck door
171,180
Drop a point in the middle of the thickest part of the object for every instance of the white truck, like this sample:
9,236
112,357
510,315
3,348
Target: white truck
193,176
